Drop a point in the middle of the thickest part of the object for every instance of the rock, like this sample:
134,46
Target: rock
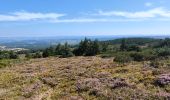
89,84
117,83
50,81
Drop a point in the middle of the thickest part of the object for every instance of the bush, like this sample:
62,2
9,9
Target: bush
77,52
163,52
150,57
65,51
137,56
13,55
46,53
156,64
37,55
123,59
4,63
8,55
106,55
4,55
28,55
66,54
133,48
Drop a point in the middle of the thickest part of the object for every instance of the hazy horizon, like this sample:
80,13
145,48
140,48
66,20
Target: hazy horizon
66,36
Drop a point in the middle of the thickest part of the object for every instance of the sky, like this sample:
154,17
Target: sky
84,17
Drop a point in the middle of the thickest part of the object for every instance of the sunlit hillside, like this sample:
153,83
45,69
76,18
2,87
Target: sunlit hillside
82,78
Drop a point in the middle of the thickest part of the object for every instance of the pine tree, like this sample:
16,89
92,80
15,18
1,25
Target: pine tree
87,48
51,51
96,47
58,49
123,45
66,51
46,53
104,47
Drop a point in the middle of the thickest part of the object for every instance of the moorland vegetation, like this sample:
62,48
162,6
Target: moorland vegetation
127,68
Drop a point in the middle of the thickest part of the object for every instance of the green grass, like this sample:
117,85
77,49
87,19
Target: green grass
10,62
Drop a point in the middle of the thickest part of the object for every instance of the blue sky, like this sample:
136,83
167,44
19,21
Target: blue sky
84,17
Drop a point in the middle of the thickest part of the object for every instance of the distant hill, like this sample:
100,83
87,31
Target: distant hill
138,41
43,42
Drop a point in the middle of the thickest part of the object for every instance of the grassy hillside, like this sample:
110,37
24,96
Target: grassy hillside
82,78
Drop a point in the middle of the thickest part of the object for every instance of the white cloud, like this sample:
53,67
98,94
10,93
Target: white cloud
93,20
53,18
148,4
78,20
152,13
160,14
27,16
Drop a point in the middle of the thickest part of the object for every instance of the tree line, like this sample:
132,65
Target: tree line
86,47
153,51
123,50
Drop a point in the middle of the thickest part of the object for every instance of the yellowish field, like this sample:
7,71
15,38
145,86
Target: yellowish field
80,78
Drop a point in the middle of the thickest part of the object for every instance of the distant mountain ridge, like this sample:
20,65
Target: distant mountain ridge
43,42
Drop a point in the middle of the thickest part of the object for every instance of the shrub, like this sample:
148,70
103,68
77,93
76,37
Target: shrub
123,45
4,63
156,64
137,56
37,55
28,55
66,54
8,55
123,58
133,48
65,51
163,52
105,55
13,55
46,53
150,57
77,52
4,55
